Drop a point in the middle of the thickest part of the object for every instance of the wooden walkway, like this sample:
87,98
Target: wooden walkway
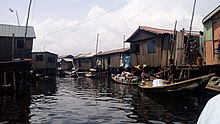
215,89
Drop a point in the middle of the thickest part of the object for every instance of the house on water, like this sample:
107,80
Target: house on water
153,46
66,62
212,37
114,58
84,62
44,63
14,44
15,56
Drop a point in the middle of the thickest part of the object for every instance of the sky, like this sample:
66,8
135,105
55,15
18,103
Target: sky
70,27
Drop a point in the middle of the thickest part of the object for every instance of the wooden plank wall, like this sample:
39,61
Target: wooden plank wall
216,54
157,59
216,26
5,49
115,60
165,51
160,57
179,49
134,59
209,52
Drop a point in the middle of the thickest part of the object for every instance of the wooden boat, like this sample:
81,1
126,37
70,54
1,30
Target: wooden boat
178,88
131,81
92,73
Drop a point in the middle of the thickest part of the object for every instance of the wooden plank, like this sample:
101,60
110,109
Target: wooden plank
216,27
209,52
179,57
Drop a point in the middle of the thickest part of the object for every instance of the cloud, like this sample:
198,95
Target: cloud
74,37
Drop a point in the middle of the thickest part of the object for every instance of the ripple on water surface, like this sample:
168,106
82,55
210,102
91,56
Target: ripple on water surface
102,101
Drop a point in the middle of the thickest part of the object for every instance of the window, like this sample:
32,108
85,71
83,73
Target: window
150,47
20,44
51,59
39,57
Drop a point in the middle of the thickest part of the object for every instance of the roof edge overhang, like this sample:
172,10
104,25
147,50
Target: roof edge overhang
140,28
212,13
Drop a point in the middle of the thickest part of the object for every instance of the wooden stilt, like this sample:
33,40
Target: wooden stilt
14,81
5,78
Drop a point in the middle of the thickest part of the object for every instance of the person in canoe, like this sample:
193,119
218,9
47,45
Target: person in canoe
137,71
145,75
128,73
172,71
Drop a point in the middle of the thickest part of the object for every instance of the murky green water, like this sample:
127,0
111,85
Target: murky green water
97,101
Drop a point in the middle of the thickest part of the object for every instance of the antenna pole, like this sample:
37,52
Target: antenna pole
190,29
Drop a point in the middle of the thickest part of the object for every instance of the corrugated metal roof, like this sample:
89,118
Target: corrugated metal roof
46,52
18,31
211,14
67,59
113,51
85,55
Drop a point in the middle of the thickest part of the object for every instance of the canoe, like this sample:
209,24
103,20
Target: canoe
119,79
177,89
91,75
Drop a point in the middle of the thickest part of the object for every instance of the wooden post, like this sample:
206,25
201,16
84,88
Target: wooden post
5,78
13,47
14,81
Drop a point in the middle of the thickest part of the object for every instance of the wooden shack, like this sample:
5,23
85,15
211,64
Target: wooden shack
84,62
65,62
44,63
212,37
15,57
149,46
13,42
152,46
113,58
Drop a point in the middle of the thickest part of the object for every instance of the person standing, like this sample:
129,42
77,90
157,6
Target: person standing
172,71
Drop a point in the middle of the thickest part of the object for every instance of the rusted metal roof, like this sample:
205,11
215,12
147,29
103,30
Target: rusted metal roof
121,50
18,31
155,31
151,30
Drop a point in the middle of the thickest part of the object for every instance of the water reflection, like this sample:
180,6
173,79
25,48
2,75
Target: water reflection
14,108
85,100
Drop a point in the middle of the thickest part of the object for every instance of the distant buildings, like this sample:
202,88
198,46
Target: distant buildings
114,58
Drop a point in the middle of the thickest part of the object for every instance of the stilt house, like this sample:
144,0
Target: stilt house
44,63
85,62
212,37
13,42
154,47
114,58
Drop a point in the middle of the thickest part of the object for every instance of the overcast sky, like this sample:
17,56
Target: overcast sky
71,26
